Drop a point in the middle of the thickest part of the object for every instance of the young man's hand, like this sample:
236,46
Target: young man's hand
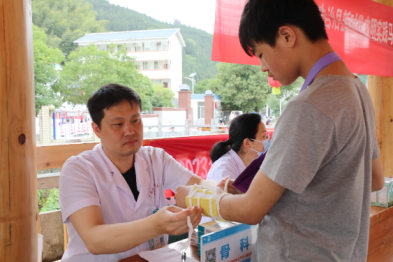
172,220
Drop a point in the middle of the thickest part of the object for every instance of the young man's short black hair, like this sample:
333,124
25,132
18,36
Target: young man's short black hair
261,20
110,95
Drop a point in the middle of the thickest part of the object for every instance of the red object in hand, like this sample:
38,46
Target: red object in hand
273,83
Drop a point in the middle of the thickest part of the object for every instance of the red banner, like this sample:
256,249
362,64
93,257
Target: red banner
192,152
360,31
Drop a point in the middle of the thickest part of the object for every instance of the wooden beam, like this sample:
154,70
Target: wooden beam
381,91
54,156
18,194
381,224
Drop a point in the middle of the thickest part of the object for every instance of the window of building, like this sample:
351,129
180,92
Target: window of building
101,47
166,83
153,46
201,110
138,47
146,46
155,65
164,45
129,48
139,65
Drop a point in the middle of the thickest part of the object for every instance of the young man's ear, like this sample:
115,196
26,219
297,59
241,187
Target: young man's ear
287,35
96,129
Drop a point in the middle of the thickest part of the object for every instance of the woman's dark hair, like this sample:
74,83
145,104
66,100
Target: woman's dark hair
110,95
242,127
261,20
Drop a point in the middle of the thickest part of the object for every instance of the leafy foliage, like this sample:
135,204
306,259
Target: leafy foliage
206,84
65,21
242,87
48,200
197,60
162,97
191,47
287,92
45,74
89,68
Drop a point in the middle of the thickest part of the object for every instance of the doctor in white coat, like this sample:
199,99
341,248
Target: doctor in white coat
108,194
247,137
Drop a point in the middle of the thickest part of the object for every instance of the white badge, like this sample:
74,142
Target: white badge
157,242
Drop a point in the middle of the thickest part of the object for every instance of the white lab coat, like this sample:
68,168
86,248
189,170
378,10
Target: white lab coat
92,179
229,165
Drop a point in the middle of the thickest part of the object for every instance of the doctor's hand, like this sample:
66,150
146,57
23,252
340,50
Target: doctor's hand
231,189
181,194
172,220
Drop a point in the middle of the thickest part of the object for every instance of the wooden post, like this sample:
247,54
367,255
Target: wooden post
18,176
381,91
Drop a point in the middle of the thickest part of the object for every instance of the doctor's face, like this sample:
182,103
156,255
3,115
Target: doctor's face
121,130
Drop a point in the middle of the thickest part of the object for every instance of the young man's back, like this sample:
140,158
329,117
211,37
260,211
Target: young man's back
329,131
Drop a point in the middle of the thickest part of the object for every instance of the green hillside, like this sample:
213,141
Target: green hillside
197,54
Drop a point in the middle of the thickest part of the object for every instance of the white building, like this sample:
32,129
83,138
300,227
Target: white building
158,53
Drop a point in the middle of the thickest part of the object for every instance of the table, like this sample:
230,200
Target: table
380,247
192,251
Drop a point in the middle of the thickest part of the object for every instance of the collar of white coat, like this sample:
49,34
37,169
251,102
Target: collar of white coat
141,172
239,162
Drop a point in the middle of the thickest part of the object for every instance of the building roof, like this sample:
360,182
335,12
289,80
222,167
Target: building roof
130,35
202,97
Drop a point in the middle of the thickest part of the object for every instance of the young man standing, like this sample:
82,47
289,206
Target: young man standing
311,195
108,194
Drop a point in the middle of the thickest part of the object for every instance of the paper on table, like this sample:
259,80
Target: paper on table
165,254
40,246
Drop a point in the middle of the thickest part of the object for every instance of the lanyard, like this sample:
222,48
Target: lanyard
318,66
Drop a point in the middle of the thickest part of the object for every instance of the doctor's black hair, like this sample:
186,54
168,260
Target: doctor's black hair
242,127
261,20
110,95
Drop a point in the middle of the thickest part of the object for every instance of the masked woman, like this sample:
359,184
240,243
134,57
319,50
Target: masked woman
247,140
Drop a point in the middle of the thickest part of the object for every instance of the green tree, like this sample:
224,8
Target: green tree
45,74
48,200
274,104
206,84
287,92
65,21
89,68
242,87
162,97
191,47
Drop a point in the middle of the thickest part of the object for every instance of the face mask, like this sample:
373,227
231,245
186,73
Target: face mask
266,145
